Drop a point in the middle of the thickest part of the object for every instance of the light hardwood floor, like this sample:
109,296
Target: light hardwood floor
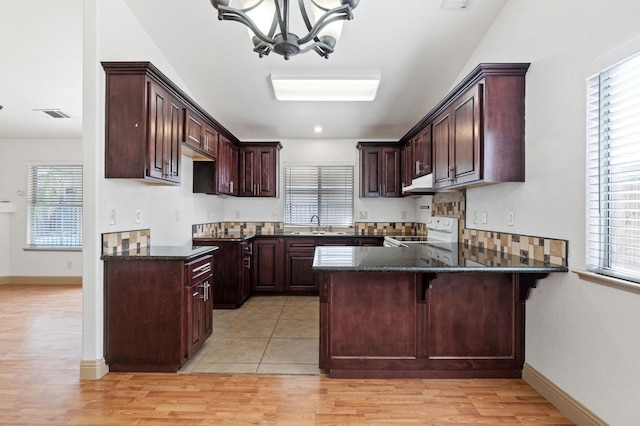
40,353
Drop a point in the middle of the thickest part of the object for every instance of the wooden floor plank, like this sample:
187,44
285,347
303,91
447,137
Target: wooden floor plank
40,353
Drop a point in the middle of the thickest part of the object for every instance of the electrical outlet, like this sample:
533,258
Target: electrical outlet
484,218
403,214
112,216
237,214
274,215
69,264
511,218
177,215
138,216
364,214
475,217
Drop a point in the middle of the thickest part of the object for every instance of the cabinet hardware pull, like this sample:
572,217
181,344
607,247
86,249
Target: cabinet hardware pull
417,166
195,293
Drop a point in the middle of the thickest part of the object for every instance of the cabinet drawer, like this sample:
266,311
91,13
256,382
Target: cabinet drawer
300,243
199,269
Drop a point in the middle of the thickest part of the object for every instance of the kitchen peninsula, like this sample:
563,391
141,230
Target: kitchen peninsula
402,313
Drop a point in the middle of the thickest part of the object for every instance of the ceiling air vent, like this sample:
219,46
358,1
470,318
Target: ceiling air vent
456,4
55,113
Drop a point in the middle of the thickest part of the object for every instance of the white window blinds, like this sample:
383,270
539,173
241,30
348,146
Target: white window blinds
613,171
54,217
325,191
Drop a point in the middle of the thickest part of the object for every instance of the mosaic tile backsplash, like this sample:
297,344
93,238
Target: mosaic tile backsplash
546,250
452,203
204,230
385,228
123,241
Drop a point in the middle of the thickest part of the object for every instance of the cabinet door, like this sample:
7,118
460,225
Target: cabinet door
194,130
268,265
441,150
158,106
300,272
210,141
371,165
391,172
225,167
422,154
233,170
474,316
247,172
165,132
266,172
173,142
467,142
195,317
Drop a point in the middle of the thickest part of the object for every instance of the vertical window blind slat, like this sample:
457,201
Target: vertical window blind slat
613,171
325,191
54,212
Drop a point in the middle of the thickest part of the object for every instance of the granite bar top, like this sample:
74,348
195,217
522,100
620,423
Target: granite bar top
185,252
425,258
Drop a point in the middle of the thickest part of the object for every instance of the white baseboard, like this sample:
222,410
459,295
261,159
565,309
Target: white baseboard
41,280
575,411
93,370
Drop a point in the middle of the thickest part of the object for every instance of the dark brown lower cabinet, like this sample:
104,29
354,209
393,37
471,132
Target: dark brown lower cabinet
233,267
404,324
299,258
157,312
268,265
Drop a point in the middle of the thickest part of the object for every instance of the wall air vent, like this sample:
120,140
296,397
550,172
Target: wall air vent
456,4
54,113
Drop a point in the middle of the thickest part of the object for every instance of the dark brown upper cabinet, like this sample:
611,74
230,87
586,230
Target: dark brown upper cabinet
379,170
259,169
476,132
151,123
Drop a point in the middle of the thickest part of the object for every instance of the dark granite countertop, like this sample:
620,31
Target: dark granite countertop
185,252
223,237
425,258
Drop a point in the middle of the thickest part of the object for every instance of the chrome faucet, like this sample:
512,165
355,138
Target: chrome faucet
317,217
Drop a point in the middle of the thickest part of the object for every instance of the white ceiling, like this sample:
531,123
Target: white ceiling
417,48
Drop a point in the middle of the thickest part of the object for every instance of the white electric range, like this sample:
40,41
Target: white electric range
440,243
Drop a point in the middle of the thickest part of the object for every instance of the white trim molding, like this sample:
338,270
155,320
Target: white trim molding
94,369
565,403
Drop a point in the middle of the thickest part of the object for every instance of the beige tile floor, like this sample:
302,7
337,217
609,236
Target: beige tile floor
267,335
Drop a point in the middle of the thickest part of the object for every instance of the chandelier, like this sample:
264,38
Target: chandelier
268,23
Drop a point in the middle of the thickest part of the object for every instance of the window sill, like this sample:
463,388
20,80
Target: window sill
51,248
608,281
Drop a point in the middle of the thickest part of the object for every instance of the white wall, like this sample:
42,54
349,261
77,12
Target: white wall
16,156
111,33
582,336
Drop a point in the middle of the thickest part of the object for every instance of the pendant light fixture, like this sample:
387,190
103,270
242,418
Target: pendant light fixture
269,25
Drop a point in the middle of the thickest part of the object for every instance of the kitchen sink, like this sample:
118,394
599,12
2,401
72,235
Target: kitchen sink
313,233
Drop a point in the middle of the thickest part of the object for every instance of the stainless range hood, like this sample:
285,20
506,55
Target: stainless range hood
420,186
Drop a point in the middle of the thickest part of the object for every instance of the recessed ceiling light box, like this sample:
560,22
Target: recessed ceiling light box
344,88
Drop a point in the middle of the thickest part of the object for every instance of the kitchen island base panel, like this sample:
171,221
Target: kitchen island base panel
421,325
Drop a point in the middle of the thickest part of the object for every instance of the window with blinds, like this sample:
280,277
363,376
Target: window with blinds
54,213
325,191
613,171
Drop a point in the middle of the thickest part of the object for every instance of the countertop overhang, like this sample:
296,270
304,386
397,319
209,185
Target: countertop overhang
184,252
417,258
